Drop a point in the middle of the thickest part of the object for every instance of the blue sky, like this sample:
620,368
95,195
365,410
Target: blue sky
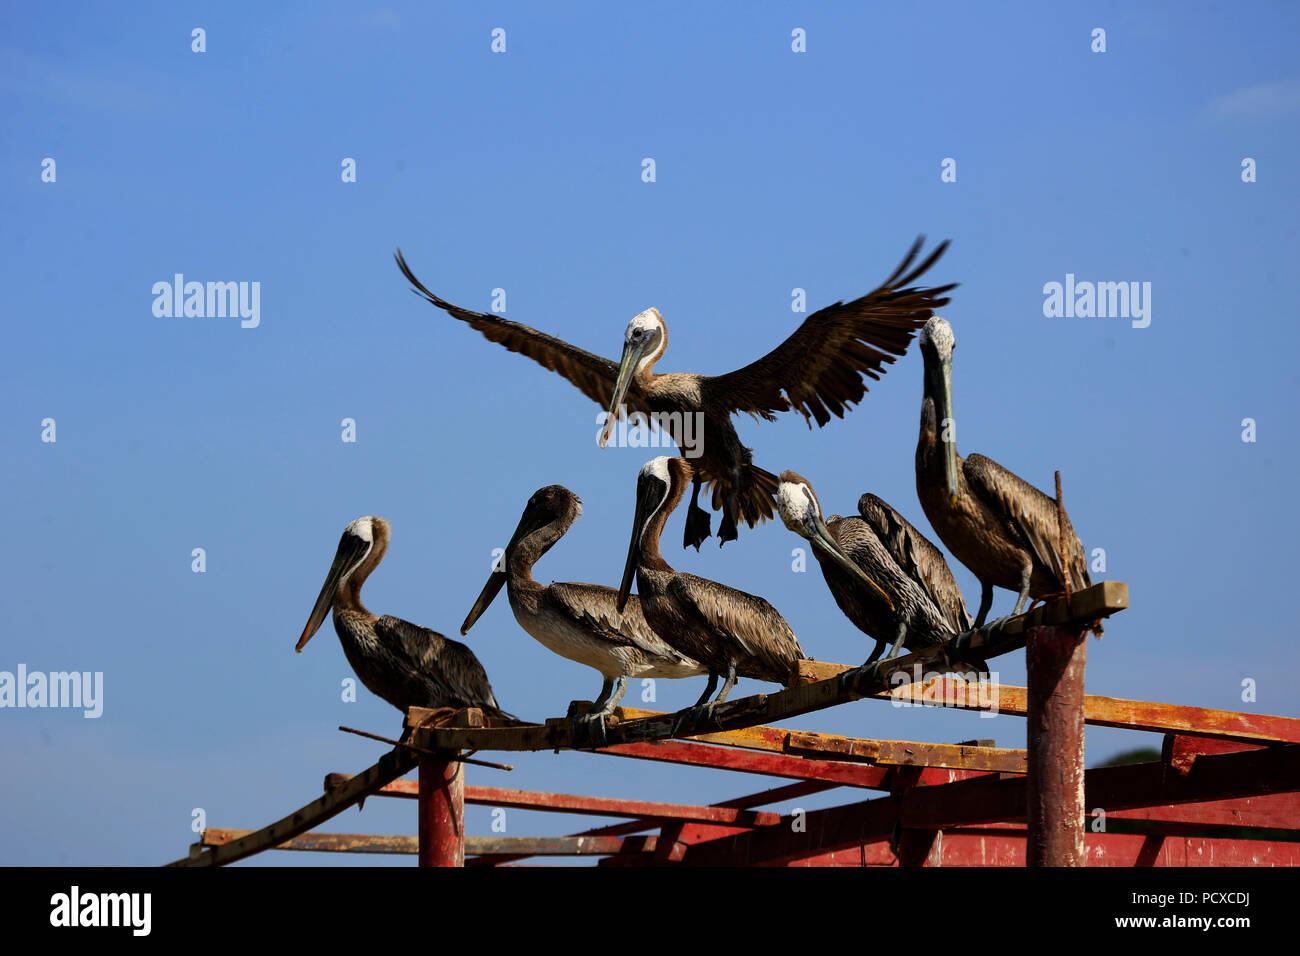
775,170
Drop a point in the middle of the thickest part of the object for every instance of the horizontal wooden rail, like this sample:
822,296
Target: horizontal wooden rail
477,846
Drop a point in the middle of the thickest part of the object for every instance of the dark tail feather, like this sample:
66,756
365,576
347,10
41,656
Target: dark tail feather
755,499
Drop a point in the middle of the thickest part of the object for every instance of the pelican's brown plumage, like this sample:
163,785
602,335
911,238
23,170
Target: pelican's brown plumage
728,631
918,557
997,524
405,664
878,593
575,620
819,371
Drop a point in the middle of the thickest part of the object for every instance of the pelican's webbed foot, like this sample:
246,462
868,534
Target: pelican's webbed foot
697,520
727,529
694,716
995,625
697,527
588,731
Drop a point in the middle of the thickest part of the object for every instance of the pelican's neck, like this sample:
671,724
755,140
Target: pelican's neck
654,529
931,402
520,558
348,595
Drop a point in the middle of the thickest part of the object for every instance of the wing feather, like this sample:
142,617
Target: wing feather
745,620
593,375
449,665
819,370
919,558
1031,514
595,607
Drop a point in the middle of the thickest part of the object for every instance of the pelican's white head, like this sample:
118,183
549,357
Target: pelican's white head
937,334
648,335
797,502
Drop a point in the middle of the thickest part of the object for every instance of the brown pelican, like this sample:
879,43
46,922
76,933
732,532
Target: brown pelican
818,371
873,589
918,557
728,631
577,621
405,664
1001,527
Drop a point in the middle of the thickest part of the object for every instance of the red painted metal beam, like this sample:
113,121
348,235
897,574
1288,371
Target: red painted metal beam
780,765
762,798
1055,658
988,847
1278,811
987,800
612,807
441,812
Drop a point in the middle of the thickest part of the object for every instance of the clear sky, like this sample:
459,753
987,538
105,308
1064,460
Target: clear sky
522,170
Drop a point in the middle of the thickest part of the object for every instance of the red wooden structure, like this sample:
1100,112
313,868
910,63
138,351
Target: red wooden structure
1223,793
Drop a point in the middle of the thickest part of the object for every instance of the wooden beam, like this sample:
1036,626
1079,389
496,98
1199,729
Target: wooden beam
1012,701
1098,601
608,807
519,846
388,768
762,798
843,773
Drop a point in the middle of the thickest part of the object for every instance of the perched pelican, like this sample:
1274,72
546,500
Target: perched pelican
874,590
918,557
728,631
818,371
405,664
1001,527
577,621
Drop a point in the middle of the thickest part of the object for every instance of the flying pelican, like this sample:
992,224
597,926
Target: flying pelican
1001,527
873,589
818,371
728,631
405,664
577,621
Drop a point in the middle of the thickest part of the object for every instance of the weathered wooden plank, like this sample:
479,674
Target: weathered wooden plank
389,767
1180,751
843,773
476,846
745,712
589,806
903,753
762,798
322,842
1099,711
605,806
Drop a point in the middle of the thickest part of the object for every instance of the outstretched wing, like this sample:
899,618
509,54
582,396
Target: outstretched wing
818,371
594,376
918,557
1032,514
452,670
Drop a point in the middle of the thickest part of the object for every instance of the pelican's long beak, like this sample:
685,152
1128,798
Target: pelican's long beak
822,540
632,355
490,590
948,430
349,552
646,501
528,522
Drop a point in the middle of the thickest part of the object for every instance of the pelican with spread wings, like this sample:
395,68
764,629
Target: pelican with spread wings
818,371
